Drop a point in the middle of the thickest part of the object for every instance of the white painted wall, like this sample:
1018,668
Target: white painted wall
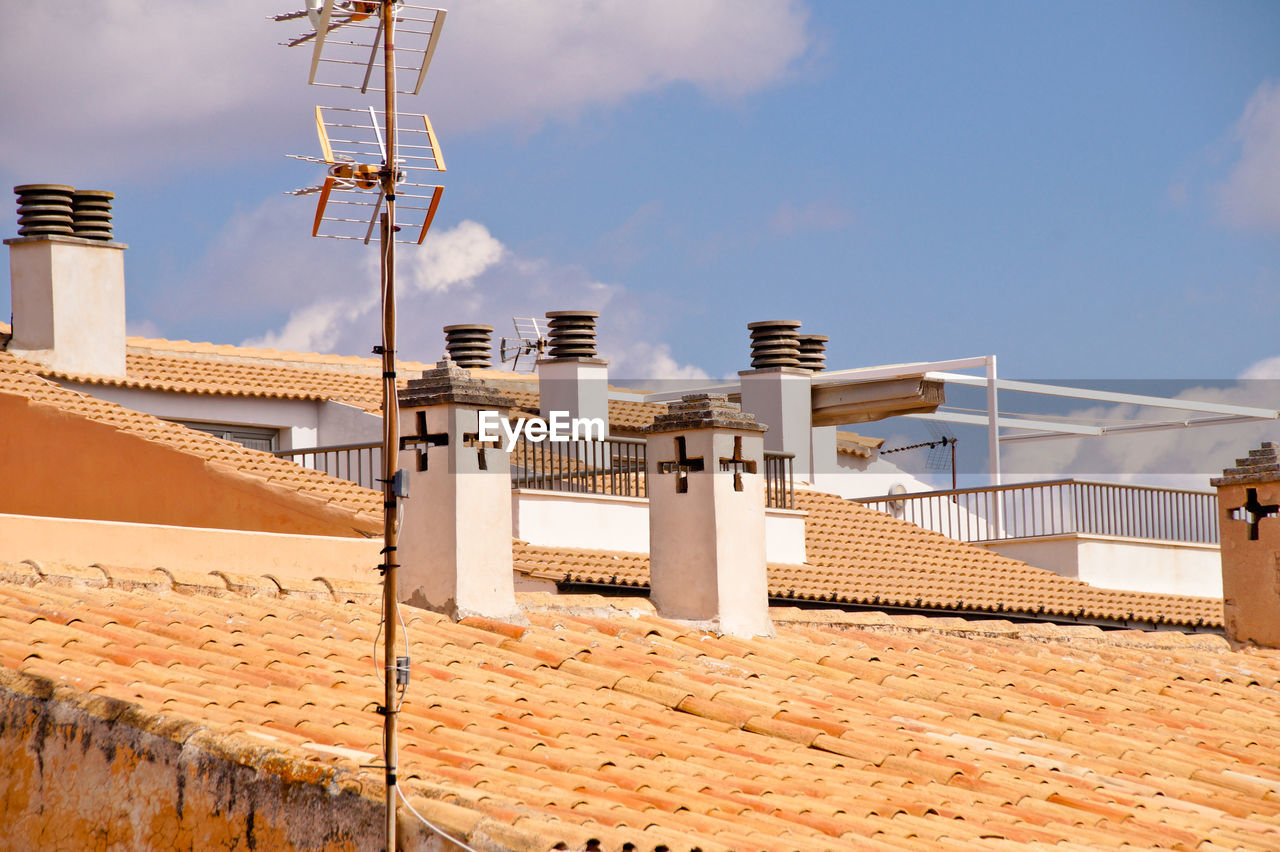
68,303
1110,562
302,423
603,522
587,521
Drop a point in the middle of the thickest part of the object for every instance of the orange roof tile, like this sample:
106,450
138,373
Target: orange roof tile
602,721
860,556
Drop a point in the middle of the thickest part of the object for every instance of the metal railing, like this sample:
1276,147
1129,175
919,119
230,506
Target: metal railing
612,466
1059,507
358,463
779,483
609,466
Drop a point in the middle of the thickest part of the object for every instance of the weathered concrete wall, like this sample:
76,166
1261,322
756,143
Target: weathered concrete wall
85,772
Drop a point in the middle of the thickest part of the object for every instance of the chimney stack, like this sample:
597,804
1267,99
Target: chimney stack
67,281
572,378
91,209
455,537
777,391
813,352
469,345
1249,524
705,474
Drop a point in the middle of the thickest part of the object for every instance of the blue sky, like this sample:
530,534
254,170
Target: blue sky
1088,190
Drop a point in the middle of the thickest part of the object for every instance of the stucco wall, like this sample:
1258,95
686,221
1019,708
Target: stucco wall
60,465
78,542
1109,562
605,522
85,772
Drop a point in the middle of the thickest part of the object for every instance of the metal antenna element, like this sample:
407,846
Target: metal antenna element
353,150
529,343
372,164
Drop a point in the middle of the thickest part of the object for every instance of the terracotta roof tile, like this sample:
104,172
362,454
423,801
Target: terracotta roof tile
847,730
860,556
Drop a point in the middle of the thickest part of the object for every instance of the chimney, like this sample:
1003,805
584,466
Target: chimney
67,281
777,391
822,439
1249,524
571,378
705,474
469,345
455,536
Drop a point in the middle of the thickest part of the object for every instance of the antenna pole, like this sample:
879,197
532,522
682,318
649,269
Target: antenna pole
390,427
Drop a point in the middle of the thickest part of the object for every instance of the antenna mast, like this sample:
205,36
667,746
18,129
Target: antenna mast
366,174
390,432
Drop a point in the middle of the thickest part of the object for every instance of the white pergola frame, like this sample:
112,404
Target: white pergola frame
1219,414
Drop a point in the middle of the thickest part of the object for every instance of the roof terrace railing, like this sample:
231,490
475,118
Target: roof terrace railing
779,480
358,463
1059,507
613,466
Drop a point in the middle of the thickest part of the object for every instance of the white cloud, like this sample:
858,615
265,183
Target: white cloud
309,328
822,214
1267,368
131,85
1250,197
1179,458
455,256
643,361
510,60
318,295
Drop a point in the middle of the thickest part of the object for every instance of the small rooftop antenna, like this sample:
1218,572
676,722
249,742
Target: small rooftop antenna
373,166
529,343
942,450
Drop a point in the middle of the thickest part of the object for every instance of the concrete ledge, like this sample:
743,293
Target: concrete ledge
86,542
1115,562
608,522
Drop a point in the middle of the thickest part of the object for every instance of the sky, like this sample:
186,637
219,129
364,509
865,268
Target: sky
1090,191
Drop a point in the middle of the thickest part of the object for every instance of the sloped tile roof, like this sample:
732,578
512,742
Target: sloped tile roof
18,377
860,556
181,366
603,721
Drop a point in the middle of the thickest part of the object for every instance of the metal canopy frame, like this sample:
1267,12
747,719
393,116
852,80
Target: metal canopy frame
1030,428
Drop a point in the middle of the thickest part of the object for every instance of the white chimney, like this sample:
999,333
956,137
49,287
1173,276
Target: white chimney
778,390
67,281
455,536
706,484
571,378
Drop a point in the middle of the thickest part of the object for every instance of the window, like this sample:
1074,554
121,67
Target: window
253,437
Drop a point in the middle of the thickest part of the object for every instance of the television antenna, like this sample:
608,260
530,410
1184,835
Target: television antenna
530,342
374,165
942,450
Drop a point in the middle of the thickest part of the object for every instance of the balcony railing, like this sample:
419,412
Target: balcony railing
358,463
612,466
779,483
1059,507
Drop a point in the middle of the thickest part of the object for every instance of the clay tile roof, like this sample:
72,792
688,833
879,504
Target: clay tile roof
863,557
182,366
601,721
363,506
